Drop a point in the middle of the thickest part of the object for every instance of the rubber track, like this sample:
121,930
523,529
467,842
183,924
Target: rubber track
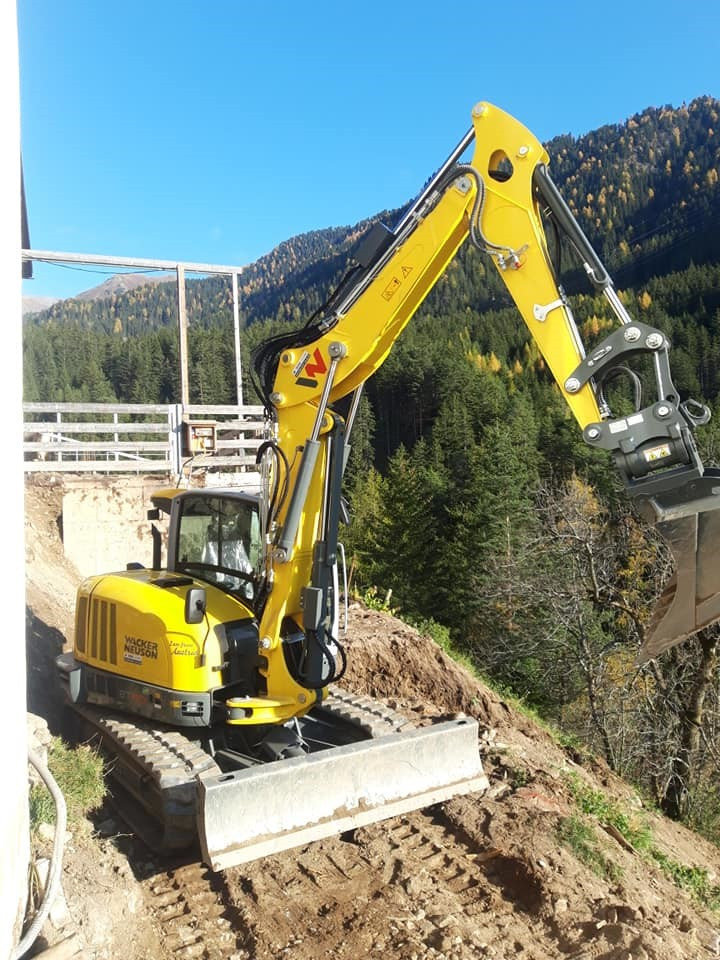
165,755
158,769
367,714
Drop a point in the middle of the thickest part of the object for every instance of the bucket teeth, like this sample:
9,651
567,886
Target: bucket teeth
691,598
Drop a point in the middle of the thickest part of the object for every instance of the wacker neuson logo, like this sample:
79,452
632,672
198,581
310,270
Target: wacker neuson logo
136,649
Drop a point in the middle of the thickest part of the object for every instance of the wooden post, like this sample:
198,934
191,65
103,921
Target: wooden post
182,338
236,327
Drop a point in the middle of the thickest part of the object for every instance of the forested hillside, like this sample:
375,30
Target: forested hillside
475,500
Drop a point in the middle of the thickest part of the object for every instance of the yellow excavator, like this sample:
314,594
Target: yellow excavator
212,679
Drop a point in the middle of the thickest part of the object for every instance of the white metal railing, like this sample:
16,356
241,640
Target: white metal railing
135,437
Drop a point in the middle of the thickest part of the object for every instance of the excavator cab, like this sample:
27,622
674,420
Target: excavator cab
217,539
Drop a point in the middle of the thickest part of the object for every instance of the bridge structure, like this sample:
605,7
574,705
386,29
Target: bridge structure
181,269
134,438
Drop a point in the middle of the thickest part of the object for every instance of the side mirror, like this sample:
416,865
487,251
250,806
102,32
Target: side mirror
195,605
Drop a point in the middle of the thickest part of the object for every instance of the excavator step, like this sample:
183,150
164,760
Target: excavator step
252,813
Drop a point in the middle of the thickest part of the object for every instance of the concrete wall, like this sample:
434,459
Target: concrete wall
105,523
14,835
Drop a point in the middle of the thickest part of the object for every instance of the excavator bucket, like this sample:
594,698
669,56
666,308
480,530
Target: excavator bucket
252,813
691,598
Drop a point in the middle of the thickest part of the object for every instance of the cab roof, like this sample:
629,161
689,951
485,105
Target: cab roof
163,499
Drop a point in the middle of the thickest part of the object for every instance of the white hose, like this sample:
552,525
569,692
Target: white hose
53,880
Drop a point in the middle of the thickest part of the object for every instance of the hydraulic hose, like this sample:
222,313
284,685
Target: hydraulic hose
53,880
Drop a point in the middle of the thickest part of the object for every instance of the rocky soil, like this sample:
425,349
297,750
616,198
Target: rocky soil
483,876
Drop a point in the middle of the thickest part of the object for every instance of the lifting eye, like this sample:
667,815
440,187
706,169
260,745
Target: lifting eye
500,168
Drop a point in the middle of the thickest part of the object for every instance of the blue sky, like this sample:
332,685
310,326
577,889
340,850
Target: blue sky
212,131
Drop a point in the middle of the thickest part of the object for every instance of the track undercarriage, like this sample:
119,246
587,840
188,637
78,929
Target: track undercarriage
349,762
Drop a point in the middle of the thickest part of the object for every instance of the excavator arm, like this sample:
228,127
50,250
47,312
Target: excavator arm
498,199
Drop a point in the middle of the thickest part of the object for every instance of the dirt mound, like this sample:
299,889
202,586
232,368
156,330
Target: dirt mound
479,877
51,581
388,659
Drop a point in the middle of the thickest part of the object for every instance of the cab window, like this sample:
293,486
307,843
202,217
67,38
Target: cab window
219,541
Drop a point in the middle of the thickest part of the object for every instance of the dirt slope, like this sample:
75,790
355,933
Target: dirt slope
480,876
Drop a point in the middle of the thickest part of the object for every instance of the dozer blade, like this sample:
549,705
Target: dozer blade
259,811
691,599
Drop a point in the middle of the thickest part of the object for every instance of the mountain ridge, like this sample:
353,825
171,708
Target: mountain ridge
645,191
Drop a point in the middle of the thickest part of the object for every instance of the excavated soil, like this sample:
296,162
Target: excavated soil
480,876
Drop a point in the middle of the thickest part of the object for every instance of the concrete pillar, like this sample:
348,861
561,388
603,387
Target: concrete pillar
14,838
